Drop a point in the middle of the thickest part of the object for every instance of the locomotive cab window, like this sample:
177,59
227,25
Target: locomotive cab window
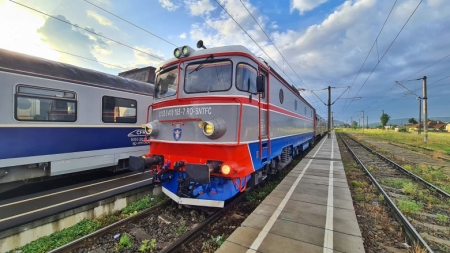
118,110
246,78
43,104
208,77
166,83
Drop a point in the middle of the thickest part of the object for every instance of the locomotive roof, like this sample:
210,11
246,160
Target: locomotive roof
215,50
30,65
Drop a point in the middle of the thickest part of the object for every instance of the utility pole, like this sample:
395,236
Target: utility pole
351,122
329,111
420,115
332,120
363,120
367,122
425,112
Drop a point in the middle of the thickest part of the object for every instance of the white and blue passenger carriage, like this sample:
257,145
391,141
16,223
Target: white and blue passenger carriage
57,118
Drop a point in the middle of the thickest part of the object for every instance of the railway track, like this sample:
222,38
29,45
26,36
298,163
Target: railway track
445,156
85,243
421,207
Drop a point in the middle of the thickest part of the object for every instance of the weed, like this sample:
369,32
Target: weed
214,243
409,188
182,228
124,243
416,248
442,218
409,206
381,198
62,237
142,204
395,183
148,246
359,184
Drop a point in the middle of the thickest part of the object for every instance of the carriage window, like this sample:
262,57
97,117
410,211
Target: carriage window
118,110
166,83
208,76
41,104
246,78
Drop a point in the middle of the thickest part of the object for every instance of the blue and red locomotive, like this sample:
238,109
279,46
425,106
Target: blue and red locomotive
222,120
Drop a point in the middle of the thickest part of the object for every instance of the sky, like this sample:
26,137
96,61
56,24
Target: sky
370,52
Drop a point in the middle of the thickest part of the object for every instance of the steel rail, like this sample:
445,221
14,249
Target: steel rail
195,232
433,187
82,241
409,229
174,247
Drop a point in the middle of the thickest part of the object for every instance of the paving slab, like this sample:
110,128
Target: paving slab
300,224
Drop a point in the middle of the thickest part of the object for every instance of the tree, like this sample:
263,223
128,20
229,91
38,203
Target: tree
354,124
384,119
412,121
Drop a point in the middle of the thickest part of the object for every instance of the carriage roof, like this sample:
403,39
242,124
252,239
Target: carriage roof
35,66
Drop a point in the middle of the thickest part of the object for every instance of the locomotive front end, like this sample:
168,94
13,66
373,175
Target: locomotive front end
194,130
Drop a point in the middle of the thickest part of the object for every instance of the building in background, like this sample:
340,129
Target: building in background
146,74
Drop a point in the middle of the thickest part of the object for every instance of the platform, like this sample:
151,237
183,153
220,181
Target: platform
311,210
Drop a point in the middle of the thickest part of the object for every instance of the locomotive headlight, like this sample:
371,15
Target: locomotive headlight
213,128
208,128
230,168
152,128
177,53
185,51
225,169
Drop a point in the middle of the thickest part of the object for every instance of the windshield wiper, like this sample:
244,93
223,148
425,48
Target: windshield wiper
200,66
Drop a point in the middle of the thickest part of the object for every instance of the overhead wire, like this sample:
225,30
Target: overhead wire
268,37
89,31
256,43
375,41
273,44
425,68
384,54
131,23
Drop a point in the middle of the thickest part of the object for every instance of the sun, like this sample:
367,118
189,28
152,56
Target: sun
18,27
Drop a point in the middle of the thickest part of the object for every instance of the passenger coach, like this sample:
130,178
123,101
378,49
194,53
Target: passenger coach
57,119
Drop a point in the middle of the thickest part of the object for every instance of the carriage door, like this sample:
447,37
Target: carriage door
263,108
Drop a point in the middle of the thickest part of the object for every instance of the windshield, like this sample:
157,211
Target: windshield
166,83
208,76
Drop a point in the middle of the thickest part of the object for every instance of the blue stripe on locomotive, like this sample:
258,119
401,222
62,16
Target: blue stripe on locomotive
23,142
276,147
222,189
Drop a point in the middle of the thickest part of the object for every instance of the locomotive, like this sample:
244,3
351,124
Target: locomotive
222,120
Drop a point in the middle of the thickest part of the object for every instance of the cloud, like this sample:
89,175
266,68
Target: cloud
305,5
183,35
199,7
168,4
102,20
144,59
331,51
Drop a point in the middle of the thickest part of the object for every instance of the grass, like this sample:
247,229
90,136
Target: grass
438,141
442,218
148,246
394,183
409,206
85,227
124,243
62,237
410,188
213,244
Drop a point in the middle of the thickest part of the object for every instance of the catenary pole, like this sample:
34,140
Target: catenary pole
425,112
